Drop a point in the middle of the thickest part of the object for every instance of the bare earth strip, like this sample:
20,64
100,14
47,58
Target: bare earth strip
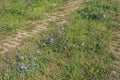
11,42
115,45
115,49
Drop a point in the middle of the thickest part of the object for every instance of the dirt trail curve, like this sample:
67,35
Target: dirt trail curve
11,42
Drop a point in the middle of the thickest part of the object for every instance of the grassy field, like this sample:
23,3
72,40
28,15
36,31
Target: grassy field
76,50
14,14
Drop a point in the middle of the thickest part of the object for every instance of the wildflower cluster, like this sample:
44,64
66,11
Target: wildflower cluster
27,63
58,42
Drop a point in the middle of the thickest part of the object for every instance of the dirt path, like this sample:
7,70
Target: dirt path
115,49
115,46
13,42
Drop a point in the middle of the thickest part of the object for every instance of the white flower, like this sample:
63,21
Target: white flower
22,58
44,44
52,41
62,28
39,52
74,45
46,38
104,16
83,44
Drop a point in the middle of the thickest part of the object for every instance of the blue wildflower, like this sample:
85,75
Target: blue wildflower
52,41
99,17
22,67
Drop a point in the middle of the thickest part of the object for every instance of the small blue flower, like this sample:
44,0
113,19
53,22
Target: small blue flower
22,67
52,41
99,17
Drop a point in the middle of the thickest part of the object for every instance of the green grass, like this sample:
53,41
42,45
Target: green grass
15,14
78,50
